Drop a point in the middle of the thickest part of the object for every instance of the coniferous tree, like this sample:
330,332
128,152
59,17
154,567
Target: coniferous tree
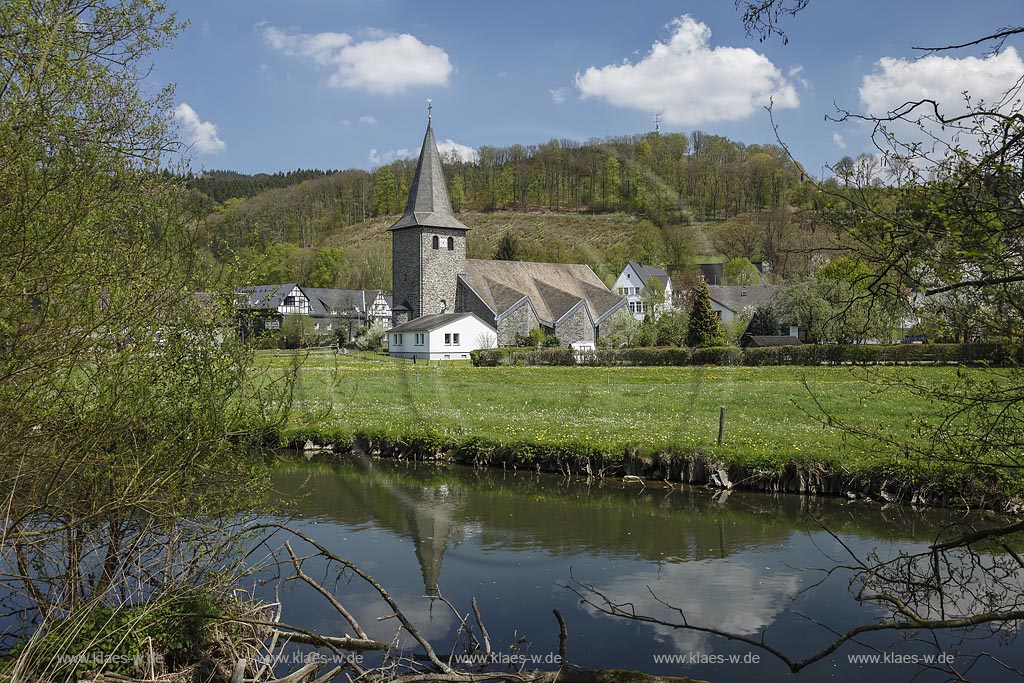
764,322
508,248
705,328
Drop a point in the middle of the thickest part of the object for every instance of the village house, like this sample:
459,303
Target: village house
647,289
263,308
440,336
730,302
432,276
337,313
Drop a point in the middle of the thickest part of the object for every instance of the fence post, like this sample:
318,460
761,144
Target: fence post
721,425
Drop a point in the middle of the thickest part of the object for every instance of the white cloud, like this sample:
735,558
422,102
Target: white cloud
345,122
464,152
381,64
559,95
447,148
368,120
690,82
943,79
381,158
200,135
838,140
897,83
797,74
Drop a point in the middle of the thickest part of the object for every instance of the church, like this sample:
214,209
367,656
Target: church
431,275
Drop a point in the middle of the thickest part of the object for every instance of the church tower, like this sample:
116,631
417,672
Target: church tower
428,243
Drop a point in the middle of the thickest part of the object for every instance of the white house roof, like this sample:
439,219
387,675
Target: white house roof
326,302
429,323
737,297
647,272
263,297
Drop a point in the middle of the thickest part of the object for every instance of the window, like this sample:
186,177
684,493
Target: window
447,339
420,338
435,242
451,244
398,339
455,338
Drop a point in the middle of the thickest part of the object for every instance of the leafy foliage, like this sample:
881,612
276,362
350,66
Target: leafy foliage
740,271
126,401
370,338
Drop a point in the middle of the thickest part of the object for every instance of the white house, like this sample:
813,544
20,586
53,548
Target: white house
264,307
441,336
333,311
634,279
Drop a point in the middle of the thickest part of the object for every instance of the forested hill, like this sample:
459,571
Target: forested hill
221,186
664,181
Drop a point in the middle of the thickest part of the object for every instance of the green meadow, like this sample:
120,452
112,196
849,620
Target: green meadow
773,415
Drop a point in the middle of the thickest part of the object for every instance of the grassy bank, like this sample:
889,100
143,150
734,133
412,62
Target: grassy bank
774,415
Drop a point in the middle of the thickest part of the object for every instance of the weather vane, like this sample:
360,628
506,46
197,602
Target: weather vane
429,107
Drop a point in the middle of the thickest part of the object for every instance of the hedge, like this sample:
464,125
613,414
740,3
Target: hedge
996,354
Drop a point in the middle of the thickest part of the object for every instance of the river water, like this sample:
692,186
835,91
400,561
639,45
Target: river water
746,563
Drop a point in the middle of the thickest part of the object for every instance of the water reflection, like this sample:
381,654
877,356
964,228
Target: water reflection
734,597
737,563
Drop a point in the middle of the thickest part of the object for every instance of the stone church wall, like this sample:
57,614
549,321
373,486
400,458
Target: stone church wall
576,328
519,322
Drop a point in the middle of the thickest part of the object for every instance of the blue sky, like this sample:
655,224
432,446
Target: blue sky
265,85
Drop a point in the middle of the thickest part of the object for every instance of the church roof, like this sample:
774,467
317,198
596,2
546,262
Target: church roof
428,204
554,289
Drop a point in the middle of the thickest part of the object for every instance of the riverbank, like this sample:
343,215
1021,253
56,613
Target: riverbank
780,429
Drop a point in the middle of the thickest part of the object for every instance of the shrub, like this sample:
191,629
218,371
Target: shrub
668,356
370,338
996,354
549,357
717,355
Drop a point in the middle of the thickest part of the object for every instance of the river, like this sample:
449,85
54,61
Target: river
740,562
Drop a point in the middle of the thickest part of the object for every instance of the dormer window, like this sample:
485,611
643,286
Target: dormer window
435,242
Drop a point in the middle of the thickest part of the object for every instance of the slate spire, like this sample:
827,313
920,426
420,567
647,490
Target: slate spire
428,204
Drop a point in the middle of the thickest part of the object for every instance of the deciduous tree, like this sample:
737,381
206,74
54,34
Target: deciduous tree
124,401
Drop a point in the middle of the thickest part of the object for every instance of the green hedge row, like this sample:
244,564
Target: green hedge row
992,353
